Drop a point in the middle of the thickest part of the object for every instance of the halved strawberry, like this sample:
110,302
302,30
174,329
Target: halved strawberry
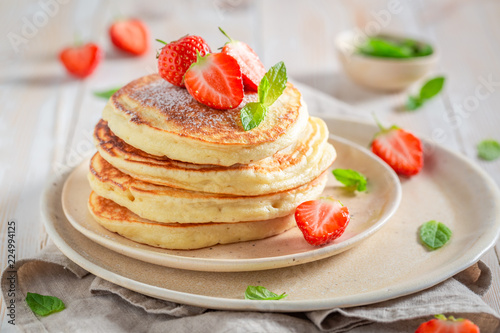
81,61
215,80
322,220
176,57
447,325
131,36
252,68
400,149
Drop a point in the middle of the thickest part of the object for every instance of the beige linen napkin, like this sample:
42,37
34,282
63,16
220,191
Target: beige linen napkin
96,305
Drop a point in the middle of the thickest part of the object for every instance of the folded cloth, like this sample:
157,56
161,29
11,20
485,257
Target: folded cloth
96,305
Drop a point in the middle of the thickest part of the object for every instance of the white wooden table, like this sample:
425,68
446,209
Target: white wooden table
46,117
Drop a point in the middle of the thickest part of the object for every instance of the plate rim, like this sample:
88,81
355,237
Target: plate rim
487,240
235,265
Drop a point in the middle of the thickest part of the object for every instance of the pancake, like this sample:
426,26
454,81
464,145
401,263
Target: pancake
181,236
288,168
156,117
166,204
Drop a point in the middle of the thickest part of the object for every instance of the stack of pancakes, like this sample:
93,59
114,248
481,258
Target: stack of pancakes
173,173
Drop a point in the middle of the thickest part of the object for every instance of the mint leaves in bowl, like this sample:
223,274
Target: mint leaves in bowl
384,62
384,46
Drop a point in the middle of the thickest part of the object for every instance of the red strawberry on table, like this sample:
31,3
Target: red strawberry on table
451,325
131,36
215,80
252,68
81,61
322,220
400,149
176,57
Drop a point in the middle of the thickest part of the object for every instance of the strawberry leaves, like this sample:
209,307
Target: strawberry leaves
270,89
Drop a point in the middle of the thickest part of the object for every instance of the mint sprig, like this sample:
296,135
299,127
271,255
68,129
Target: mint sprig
106,94
44,305
351,179
434,234
430,89
270,89
488,150
262,294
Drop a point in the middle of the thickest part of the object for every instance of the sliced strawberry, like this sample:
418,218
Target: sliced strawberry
215,80
447,325
131,36
322,220
81,61
252,68
400,149
176,57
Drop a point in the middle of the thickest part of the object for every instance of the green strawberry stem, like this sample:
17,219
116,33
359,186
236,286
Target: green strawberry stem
382,128
450,318
200,58
379,124
78,39
119,17
159,40
224,33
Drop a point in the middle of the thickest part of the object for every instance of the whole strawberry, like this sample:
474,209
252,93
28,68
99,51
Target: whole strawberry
175,58
400,149
322,220
252,68
447,325
131,36
81,61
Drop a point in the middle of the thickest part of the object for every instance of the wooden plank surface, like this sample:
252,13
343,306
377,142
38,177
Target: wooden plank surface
46,117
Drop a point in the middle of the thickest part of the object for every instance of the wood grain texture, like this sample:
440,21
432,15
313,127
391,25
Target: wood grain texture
46,117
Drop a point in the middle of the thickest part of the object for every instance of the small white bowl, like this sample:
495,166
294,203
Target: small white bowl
386,74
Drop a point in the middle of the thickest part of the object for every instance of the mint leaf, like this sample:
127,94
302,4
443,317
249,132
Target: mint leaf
434,234
262,294
488,150
277,78
270,89
252,115
263,89
351,179
106,93
432,87
44,305
413,103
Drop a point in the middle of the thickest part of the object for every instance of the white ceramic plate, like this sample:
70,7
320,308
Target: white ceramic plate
389,264
369,212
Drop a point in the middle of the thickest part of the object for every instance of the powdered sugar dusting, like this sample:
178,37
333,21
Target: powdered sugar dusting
183,113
